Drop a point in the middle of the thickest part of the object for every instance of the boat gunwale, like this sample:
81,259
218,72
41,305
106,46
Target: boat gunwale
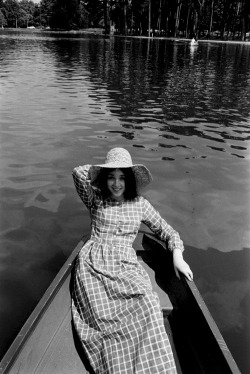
39,310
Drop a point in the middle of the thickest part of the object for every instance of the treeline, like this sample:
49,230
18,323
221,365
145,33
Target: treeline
225,19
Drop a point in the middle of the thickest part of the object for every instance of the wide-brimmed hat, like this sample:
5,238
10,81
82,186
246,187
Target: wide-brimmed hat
119,158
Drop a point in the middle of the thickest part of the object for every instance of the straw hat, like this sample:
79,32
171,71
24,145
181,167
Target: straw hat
119,158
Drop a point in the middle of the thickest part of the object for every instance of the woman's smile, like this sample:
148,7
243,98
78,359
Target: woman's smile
116,184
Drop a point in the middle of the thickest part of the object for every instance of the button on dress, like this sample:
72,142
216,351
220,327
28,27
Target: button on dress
116,314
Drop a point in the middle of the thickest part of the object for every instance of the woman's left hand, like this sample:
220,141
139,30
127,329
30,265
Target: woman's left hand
180,265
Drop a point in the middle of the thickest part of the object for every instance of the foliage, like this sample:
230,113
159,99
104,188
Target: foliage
67,14
188,18
3,21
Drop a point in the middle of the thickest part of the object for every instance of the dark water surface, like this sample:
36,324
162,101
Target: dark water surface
184,111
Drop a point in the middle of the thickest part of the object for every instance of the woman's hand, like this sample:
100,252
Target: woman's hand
180,265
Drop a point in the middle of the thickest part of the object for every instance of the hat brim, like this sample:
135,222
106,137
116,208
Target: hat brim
142,175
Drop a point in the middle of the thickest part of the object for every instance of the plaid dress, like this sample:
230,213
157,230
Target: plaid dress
116,314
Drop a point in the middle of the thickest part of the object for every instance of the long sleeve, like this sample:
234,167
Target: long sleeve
83,185
160,227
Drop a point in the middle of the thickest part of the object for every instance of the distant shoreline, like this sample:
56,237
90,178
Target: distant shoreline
99,32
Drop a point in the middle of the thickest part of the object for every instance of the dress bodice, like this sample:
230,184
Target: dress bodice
119,222
116,222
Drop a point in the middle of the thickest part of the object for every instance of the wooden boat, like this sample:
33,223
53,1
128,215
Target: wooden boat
47,344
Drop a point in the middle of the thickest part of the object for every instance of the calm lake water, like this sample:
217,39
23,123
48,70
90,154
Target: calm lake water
183,111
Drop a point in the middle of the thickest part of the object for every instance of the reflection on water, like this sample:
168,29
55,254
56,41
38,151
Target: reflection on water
184,112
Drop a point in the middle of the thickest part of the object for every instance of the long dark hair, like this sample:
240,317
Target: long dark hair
130,183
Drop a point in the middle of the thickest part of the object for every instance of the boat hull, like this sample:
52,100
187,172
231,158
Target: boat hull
47,343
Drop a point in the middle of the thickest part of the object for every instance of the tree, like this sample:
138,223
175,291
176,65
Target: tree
94,12
106,15
45,12
3,21
83,18
37,15
245,18
211,18
66,14
198,8
12,10
177,18
26,12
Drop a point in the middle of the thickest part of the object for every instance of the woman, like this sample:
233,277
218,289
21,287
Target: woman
116,314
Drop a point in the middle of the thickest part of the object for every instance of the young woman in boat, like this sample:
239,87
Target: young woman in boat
116,314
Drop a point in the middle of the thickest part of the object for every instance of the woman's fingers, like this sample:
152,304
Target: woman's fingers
184,268
188,272
189,275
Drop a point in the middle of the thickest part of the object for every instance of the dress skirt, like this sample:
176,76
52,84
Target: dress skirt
116,314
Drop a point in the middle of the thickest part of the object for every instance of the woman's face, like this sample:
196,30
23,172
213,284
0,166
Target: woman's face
116,184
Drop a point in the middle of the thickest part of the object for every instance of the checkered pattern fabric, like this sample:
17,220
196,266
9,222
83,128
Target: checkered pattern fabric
116,314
